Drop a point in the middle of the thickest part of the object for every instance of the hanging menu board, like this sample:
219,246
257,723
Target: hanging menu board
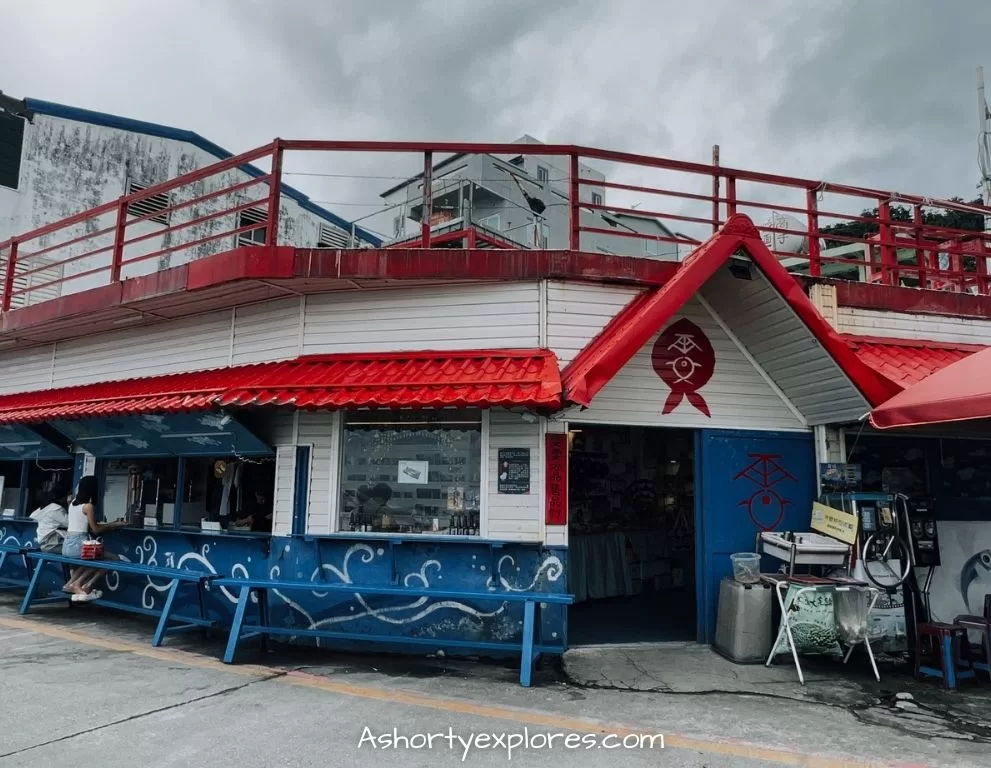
514,470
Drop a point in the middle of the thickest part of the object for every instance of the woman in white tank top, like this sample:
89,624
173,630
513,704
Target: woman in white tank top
82,525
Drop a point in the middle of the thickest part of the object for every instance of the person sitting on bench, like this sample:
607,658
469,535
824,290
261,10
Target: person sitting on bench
52,520
83,524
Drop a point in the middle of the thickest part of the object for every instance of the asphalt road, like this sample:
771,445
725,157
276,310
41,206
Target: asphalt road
88,689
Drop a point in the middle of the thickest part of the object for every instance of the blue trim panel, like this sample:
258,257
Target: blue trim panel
179,134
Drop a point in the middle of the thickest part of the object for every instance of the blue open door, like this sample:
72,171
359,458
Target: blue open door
747,482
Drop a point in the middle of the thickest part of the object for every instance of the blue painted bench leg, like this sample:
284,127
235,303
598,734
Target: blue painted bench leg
199,597
526,663
235,636
29,595
263,615
163,621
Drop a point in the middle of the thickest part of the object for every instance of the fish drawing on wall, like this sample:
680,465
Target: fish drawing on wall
975,580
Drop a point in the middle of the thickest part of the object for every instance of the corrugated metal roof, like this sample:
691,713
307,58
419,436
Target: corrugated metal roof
389,380
908,361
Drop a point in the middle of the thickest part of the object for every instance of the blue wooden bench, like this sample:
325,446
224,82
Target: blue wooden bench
7,582
528,646
176,576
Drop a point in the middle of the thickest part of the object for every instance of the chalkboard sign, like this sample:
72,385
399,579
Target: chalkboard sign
514,470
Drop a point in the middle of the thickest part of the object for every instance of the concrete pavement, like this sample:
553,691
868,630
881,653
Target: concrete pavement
87,688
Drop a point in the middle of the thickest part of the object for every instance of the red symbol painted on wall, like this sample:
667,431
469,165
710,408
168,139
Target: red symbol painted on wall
766,505
684,359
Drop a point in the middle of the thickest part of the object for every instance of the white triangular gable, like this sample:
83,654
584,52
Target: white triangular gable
738,395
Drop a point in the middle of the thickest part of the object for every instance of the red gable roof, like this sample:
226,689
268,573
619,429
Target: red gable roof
633,327
908,361
390,380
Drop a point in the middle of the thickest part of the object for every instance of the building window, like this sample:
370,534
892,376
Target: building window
252,236
332,237
652,248
11,145
596,198
412,472
493,222
398,226
155,208
543,175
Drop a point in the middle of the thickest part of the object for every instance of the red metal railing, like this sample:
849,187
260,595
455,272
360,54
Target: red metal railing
634,205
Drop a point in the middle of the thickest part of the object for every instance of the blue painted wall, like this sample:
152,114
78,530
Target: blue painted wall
418,562
749,481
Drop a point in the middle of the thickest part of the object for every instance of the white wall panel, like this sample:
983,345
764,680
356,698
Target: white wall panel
784,347
514,517
903,325
577,312
269,331
27,369
449,317
321,430
737,395
190,344
285,488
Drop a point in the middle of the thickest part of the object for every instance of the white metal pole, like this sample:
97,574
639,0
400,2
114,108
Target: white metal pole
984,145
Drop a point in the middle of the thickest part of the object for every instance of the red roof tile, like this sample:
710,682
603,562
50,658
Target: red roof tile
398,380
908,361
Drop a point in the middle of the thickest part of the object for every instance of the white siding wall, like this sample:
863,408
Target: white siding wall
577,312
446,317
903,325
264,332
322,431
737,395
278,428
510,516
189,344
285,476
27,369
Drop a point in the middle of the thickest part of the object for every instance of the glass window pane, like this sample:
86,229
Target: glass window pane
412,472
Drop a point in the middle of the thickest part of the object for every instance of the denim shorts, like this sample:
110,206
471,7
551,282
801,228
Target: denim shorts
73,544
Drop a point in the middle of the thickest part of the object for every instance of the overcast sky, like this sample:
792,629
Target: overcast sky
874,92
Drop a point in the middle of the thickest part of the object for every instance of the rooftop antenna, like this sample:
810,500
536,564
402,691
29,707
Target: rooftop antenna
984,145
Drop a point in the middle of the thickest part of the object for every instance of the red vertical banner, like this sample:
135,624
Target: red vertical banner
556,480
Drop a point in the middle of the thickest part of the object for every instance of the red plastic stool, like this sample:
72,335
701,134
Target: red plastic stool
938,653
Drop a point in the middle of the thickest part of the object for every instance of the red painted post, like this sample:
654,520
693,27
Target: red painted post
812,227
274,194
920,252
120,234
730,196
574,205
889,255
428,198
8,278
715,188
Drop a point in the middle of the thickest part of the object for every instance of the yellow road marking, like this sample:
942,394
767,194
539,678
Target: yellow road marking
522,716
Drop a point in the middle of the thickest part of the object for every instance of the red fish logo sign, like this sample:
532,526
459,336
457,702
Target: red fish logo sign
684,359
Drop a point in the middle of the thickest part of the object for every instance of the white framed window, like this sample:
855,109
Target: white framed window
596,198
248,217
543,174
652,248
412,472
493,222
156,204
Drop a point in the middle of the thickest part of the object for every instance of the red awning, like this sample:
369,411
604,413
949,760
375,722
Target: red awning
908,361
633,327
959,392
488,378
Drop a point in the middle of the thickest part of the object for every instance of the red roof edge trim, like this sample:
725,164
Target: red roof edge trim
633,327
628,331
